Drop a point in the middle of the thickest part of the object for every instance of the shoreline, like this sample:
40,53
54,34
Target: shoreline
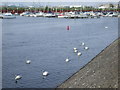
100,72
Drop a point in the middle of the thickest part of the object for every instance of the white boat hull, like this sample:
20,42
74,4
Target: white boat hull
8,17
61,16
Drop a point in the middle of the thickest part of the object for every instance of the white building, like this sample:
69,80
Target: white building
104,6
101,7
76,6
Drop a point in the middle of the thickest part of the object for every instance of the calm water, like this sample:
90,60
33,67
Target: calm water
47,43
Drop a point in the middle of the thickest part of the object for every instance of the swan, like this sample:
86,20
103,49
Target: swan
86,48
106,27
45,73
67,60
83,44
28,61
75,51
79,53
18,77
75,48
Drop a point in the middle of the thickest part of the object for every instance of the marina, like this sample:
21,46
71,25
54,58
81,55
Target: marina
53,45
67,15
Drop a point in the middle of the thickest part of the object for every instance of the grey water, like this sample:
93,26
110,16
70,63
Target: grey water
47,43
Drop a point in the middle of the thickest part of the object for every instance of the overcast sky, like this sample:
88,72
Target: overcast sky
56,2
59,0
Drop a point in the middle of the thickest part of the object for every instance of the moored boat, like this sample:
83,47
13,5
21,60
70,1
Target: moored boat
8,16
39,14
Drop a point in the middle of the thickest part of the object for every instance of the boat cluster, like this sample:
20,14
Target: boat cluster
70,14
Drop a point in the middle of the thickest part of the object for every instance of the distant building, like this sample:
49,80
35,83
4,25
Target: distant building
71,6
105,6
76,6
30,6
102,7
116,6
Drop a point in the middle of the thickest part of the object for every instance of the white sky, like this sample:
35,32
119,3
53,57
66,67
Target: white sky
59,0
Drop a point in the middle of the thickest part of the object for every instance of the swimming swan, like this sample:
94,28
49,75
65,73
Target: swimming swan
79,53
18,77
45,73
28,61
67,60
86,48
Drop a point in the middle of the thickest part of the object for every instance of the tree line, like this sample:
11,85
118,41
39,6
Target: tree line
15,9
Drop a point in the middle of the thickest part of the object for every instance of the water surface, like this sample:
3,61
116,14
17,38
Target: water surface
47,43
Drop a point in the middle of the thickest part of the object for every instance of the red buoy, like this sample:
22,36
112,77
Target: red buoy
68,27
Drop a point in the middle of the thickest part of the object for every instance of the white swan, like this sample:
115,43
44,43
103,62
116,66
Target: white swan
79,53
86,48
45,73
75,51
106,27
18,77
83,44
75,48
28,61
67,60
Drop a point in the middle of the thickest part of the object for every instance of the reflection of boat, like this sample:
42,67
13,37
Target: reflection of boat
61,16
1,15
49,15
119,16
8,16
82,16
73,16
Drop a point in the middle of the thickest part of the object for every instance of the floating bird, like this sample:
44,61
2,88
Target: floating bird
67,60
106,27
79,53
28,61
83,44
75,48
86,48
18,77
45,73
75,51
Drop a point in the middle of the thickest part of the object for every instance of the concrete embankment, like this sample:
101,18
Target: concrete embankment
101,72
